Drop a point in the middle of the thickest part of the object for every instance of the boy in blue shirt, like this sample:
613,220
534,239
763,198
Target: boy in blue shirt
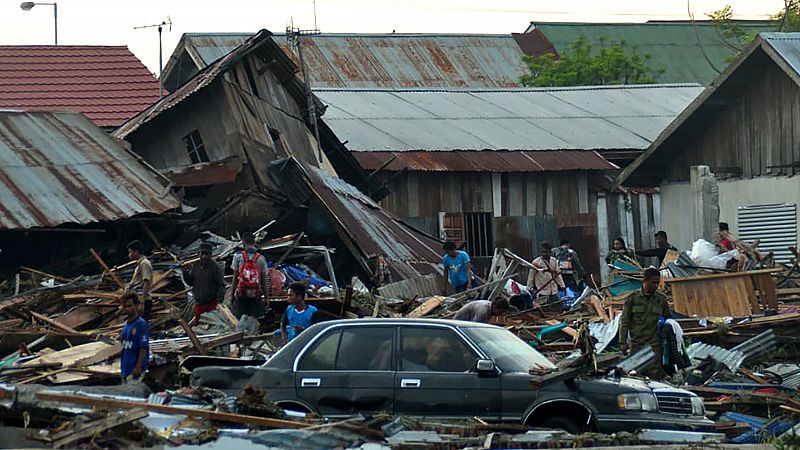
457,268
298,316
135,341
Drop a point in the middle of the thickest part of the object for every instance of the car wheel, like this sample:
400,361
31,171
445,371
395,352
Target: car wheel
561,423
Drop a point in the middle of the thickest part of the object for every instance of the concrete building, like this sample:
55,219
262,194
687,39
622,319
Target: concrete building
744,127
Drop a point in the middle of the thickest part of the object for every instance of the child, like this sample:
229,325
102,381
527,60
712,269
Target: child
298,316
135,341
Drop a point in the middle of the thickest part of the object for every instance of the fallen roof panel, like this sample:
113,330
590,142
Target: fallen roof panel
58,168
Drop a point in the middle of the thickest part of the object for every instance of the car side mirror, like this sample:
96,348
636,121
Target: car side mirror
485,366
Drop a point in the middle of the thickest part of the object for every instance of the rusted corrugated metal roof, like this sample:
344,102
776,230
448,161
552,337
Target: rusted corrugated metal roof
375,60
577,118
58,168
485,161
366,228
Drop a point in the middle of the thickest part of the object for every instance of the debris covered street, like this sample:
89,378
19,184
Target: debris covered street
402,241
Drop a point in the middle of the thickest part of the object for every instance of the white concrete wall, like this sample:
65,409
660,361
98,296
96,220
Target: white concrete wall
676,203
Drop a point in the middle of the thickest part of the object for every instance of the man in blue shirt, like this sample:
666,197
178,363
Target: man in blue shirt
298,315
457,268
135,341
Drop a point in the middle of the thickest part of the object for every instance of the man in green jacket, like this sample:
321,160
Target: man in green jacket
640,319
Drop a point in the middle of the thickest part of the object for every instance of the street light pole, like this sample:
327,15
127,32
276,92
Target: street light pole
27,6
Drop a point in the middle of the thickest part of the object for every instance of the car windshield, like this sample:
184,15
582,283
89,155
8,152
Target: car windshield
510,353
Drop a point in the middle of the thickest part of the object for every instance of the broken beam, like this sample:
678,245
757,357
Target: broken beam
105,267
92,428
202,413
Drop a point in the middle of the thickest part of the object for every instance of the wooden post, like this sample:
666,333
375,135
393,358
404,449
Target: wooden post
151,235
105,267
348,298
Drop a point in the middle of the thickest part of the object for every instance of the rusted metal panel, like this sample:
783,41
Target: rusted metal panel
485,161
58,168
380,60
366,228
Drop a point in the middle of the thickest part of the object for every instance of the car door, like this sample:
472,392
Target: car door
348,370
436,376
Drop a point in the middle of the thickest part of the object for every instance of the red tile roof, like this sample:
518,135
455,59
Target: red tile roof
106,83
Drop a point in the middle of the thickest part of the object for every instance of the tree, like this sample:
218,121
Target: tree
731,30
613,63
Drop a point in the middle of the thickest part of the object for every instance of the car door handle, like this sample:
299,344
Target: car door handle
310,382
409,383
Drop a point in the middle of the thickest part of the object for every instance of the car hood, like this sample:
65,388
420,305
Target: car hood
626,384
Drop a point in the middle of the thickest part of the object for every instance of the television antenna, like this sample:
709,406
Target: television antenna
160,27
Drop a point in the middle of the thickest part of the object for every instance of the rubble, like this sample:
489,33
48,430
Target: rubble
64,335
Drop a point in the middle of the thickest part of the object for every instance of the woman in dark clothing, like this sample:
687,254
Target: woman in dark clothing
620,251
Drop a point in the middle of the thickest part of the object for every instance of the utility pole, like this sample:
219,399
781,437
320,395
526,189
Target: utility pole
293,36
160,27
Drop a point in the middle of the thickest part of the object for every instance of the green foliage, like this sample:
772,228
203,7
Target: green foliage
613,63
732,31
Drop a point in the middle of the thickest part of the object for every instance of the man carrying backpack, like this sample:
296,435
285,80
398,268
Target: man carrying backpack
249,280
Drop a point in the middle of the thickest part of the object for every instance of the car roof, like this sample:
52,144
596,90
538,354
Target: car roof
407,321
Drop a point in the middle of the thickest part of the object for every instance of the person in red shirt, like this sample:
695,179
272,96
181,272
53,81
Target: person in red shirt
725,239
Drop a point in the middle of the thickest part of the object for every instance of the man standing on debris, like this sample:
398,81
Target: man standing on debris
381,274
545,278
662,247
249,280
298,316
135,341
142,281
640,317
570,265
207,282
457,269
482,310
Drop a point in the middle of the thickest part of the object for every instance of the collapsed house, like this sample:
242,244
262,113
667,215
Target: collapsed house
216,136
66,185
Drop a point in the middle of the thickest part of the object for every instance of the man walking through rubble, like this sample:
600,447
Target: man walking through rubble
457,269
249,280
207,282
640,317
142,281
545,278
661,249
570,265
135,343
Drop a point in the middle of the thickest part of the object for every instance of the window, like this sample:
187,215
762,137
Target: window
361,348
510,353
434,350
366,348
195,147
323,355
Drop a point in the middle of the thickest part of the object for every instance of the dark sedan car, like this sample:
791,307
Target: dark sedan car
449,369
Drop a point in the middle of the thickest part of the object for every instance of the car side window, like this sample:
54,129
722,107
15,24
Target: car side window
323,355
434,350
366,348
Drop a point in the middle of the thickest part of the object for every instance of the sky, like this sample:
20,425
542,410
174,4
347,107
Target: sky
112,22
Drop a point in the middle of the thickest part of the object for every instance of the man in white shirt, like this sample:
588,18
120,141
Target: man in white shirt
545,278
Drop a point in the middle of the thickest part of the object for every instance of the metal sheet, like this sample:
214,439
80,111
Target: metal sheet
58,168
787,45
378,60
579,118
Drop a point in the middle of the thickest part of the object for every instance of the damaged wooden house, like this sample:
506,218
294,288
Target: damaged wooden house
217,136
67,186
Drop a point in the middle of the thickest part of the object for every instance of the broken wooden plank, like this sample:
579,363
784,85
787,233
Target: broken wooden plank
557,376
202,413
52,322
427,307
96,427
193,337
598,307
114,275
572,332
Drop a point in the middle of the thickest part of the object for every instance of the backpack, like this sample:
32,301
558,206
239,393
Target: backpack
249,274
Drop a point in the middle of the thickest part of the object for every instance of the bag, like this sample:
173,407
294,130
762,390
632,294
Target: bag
276,279
249,276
